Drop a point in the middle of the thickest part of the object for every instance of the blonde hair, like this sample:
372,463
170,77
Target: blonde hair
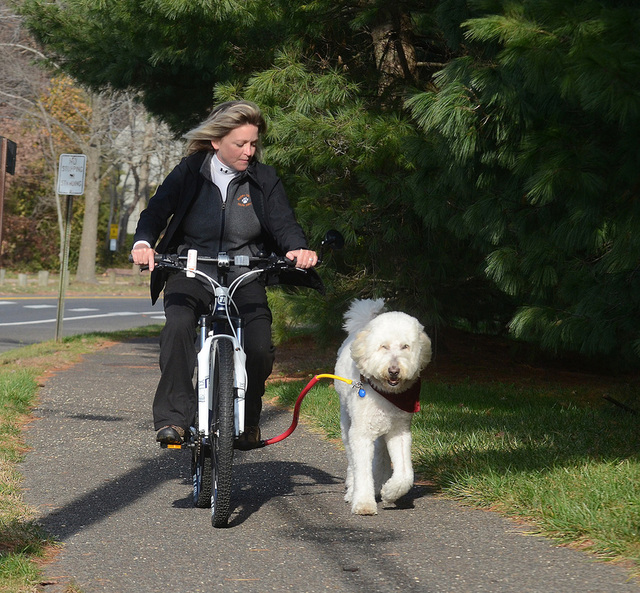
223,119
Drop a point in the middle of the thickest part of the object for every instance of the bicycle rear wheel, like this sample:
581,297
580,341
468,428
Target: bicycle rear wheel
201,473
222,430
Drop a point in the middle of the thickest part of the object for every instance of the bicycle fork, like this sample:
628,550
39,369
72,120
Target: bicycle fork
205,370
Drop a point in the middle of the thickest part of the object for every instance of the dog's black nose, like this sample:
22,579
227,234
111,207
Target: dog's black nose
394,372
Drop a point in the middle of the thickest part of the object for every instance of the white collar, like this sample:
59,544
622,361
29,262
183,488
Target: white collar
221,175
219,168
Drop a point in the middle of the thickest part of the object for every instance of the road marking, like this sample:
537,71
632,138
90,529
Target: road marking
78,298
7,302
119,314
39,306
83,310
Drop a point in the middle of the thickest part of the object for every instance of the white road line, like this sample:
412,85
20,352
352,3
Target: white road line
119,314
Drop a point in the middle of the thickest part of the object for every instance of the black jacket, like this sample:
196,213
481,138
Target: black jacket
171,202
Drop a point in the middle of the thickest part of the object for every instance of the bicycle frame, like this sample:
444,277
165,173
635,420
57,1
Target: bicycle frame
208,335
221,325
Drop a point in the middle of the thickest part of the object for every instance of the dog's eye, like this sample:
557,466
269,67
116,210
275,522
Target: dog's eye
384,347
405,346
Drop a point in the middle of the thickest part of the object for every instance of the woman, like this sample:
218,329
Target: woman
220,198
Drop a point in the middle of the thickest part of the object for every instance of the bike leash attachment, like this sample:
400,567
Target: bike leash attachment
296,410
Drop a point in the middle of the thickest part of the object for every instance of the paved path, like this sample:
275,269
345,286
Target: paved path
121,507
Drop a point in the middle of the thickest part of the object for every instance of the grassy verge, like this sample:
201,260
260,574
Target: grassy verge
571,470
22,543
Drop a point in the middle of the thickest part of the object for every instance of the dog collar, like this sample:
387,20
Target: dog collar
408,400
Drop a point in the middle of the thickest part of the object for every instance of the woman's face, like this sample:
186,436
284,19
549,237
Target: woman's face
237,148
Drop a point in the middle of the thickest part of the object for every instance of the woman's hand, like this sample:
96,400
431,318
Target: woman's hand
143,255
304,258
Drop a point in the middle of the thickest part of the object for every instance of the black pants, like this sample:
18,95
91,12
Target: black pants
185,299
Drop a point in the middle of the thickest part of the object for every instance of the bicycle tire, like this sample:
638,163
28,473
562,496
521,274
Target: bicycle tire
222,430
201,473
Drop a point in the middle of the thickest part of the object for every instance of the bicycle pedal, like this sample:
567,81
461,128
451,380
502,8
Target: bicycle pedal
170,446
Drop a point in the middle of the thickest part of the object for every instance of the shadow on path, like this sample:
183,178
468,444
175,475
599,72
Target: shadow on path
112,496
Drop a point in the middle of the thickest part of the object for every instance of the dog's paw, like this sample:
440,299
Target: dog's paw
364,508
394,489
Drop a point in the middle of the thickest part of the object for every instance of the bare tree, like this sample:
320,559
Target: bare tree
110,128
22,86
146,150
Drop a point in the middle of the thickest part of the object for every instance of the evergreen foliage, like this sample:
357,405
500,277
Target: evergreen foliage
174,51
536,129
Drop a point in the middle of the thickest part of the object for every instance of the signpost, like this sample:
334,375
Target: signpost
71,174
8,150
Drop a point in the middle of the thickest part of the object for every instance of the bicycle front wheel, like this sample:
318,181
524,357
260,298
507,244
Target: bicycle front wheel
222,430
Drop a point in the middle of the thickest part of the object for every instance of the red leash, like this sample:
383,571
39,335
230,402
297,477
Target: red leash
296,409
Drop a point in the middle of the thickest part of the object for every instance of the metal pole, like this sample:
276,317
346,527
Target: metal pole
64,269
3,174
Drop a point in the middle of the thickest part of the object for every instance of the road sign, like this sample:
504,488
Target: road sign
113,237
71,170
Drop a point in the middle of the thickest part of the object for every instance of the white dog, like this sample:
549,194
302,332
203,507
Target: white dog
386,353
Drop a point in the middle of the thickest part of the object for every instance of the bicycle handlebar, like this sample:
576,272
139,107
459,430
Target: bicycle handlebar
224,261
273,263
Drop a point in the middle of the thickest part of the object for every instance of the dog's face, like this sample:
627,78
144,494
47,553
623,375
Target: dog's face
391,351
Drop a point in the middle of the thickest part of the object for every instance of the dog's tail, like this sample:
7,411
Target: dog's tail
360,313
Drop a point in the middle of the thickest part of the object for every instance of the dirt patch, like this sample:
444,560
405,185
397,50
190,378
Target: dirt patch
303,357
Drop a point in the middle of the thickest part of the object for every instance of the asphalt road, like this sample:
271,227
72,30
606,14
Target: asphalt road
31,319
121,507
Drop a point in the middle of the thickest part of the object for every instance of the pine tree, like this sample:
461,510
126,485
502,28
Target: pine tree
536,128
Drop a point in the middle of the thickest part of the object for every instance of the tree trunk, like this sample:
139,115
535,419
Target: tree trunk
394,52
86,271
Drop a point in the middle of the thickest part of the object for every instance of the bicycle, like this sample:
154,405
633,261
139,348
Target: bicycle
221,374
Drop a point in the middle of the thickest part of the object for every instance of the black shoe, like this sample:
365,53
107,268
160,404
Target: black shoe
249,439
170,435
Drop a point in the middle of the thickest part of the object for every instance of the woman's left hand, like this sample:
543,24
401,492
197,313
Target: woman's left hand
304,258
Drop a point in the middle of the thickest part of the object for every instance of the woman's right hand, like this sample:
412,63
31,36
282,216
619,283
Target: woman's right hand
143,255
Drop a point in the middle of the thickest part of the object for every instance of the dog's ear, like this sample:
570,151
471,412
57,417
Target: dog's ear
359,346
425,349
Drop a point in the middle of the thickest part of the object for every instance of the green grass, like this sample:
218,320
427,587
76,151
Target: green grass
569,468
320,406
22,542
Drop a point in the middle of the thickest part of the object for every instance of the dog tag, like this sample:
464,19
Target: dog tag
362,392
